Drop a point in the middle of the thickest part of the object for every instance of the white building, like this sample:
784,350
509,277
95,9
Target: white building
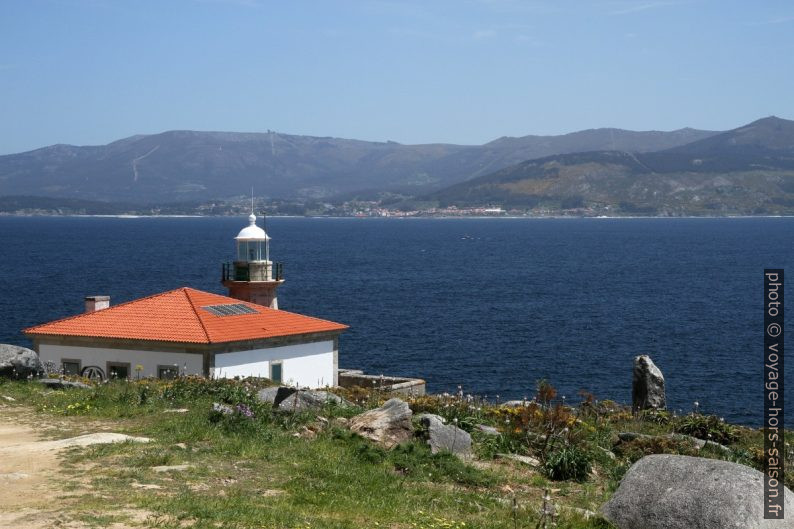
188,331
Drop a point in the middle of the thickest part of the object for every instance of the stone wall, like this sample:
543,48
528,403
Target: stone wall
349,378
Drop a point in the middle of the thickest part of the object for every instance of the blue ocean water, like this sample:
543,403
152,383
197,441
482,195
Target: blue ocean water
492,305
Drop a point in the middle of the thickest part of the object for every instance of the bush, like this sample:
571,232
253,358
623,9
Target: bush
241,419
644,446
655,416
708,427
569,462
188,389
415,459
488,446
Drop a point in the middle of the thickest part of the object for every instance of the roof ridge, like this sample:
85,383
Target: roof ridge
294,313
112,307
195,310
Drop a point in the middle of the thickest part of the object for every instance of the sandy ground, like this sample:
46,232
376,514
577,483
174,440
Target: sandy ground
30,476
26,482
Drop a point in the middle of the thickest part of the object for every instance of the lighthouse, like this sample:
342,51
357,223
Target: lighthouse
253,277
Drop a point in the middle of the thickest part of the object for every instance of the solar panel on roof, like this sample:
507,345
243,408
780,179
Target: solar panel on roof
230,309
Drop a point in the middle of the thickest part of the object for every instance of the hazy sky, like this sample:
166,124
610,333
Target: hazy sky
93,71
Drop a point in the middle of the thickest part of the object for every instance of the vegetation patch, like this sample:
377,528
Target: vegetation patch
226,459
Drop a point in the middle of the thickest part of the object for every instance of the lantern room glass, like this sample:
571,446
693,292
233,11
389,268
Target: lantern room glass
251,251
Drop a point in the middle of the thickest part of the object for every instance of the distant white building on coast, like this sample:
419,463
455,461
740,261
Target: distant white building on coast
188,331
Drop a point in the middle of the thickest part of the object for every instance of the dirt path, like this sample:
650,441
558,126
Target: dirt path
31,494
27,488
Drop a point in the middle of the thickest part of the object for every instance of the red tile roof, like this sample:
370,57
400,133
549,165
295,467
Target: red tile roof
178,316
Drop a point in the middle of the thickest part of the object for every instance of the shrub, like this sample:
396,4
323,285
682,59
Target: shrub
655,416
568,462
708,427
187,389
546,392
464,412
644,446
488,446
241,419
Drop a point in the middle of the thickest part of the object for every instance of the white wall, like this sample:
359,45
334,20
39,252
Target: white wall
307,365
94,356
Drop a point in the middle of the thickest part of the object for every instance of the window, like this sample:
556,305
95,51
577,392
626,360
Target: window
276,374
167,372
118,370
70,367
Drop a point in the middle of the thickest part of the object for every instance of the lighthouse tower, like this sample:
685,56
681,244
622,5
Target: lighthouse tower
253,277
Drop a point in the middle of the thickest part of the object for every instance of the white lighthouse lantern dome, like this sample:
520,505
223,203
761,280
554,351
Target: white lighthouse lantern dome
252,232
253,244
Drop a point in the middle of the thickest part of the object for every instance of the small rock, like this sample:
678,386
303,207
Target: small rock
531,461
516,403
170,468
698,443
647,389
431,416
306,433
183,446
177,410
388,425
445,437
9,399
609,453
223,409
585,513
488,430
13,476
272,492
305,400
92,439
631,436
536,437
146,486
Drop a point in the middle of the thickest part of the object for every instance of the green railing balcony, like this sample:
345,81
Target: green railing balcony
252,271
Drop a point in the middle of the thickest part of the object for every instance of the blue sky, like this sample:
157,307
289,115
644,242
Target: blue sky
463,71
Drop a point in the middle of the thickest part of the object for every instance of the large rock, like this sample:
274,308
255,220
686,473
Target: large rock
445,437
647,389
57,383
19,362
682,492
388,425
291,399
268,395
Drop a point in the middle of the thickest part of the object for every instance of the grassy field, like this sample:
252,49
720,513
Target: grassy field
257,468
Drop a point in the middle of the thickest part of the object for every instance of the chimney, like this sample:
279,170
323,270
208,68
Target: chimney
95,303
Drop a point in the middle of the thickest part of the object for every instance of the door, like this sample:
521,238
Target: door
276,374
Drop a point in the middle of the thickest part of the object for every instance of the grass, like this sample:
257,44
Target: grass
308,471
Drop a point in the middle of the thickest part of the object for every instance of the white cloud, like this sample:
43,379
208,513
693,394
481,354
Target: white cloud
636,7
779,20
484,33
239,3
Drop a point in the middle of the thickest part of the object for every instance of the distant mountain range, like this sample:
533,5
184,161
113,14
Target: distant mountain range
184,165
748,170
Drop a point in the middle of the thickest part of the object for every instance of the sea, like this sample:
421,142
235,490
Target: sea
487,306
